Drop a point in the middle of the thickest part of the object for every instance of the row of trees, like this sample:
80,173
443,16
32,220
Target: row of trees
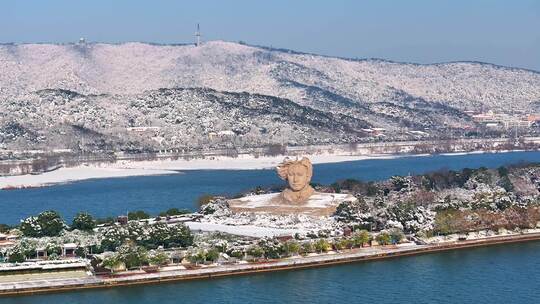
202,256
274,250
50,223
437,180
129,255
461,221
147,236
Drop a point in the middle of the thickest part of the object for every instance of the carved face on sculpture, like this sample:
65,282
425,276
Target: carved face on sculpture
298,176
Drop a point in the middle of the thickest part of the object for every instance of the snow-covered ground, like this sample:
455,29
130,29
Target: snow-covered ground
65,175
317,200
243,230
160,167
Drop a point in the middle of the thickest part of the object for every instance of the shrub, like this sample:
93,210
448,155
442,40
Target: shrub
503,171
236,253
449,221
483,175
4,228
306,247
132,255
322,245
51,223
396,236
174,211
28,248
81,252
111,262
383,238
212,255
138,215
30,227
340,244
96,249
354,211
151,236
113,237
400,182
159,258
361,237
271,248
290,248
506,183
222,245
53,249
47,223
197,257
83,221
16,255
147,235
255,251
180,236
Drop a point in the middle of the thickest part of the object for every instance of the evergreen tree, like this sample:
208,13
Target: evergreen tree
83,221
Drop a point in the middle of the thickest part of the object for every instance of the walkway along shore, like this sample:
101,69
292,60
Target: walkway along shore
358,255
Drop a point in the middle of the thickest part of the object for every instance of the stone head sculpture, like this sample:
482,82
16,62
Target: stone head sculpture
298,174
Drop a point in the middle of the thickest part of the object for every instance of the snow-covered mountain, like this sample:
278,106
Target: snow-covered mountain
97,86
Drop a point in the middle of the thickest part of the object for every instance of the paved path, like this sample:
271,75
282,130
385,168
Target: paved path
209,271
8,279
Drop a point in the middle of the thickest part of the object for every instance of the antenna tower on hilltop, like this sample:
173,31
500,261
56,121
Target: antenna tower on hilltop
198,35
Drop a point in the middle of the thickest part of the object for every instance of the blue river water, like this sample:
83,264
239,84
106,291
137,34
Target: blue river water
115,196
497,274
507,274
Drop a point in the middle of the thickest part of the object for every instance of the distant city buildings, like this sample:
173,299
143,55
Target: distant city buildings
221,134
504,120
142,129
533,117
375,132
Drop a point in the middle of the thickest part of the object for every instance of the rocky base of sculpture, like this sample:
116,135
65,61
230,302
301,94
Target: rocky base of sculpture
319,204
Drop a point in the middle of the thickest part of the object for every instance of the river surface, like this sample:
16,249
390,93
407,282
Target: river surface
508,274
115,196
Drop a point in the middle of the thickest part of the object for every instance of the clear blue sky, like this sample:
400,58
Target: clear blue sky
424,31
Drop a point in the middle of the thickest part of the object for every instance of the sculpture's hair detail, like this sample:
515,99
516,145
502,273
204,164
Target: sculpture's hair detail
283,168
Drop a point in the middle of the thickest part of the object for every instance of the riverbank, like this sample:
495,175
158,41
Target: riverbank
328,259
67,175
126,168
